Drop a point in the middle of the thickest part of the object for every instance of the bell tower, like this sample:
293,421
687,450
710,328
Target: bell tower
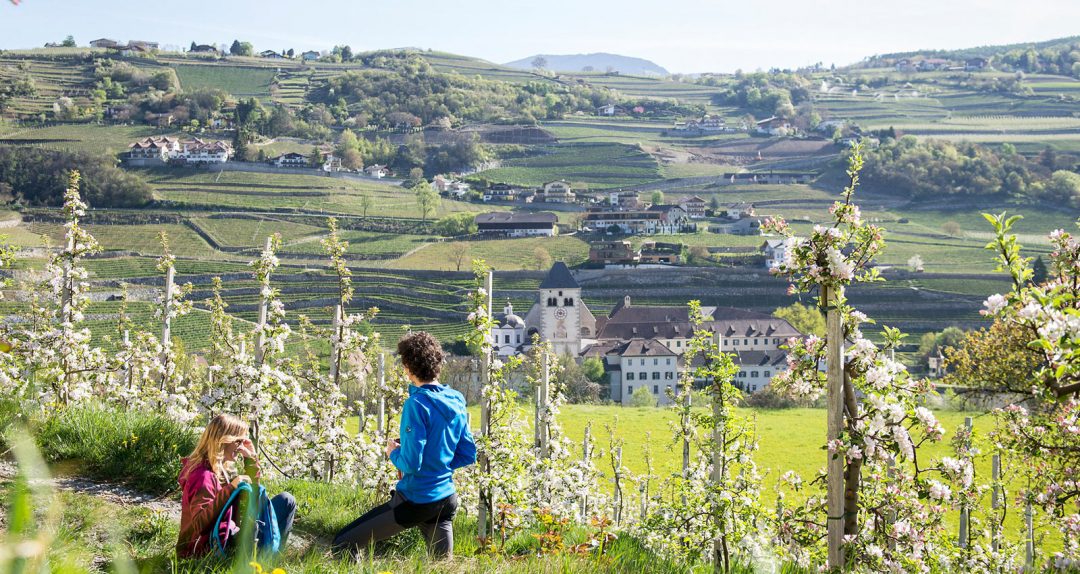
561,310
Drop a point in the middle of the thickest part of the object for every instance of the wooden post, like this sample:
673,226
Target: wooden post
995,498
617,499
166,328
536,418
545,399
484,524
719,416
965,512
1029,538
380,414
260,338
585,454
335,350
830,297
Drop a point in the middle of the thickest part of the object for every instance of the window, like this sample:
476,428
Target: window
669,375
668,361
552,302
753,374
656,375
629,362
517,338
655,362
656,389
568,301
629,375
746,342
506,339
629,390
734,342
643,376
678,343
755,341
742,374
776,341
754,388
768,374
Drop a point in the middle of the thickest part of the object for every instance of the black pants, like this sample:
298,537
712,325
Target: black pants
435,520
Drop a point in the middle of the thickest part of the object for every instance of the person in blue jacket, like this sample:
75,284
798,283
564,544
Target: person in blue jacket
435,440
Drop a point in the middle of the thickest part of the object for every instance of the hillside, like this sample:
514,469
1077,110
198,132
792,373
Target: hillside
598,62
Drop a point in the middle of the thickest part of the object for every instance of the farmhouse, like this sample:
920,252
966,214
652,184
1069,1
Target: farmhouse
291,159
377,171
660,253
104,43
198,151
624,199
204,49
511,224
694,206
556,192
654,219
154,148
776,251
310,55
976,64
613,252
449,187
271,55
773,126
501,192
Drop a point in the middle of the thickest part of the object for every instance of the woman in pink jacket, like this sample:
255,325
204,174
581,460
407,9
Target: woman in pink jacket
209,476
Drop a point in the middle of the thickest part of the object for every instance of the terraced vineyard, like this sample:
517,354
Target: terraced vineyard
596,165
240,81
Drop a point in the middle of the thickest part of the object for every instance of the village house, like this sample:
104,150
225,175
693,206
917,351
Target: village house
144,45
271,55
104,43
204,49
377,171
613,253
556,192
154,149
656,253
517,224
746,225
694,206
501,192
776,251
976,64
508,334
310,55
773,126
624,199
291,159
665,219
197,151
449,187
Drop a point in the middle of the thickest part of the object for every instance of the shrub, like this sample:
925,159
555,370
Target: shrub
140,449
641,397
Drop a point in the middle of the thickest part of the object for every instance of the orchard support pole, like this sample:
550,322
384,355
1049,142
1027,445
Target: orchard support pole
617,500
166,328
484,524
335,350
965,512
260,342
545,399
720,562
380,413
830,298
1029,537
585,454
995,497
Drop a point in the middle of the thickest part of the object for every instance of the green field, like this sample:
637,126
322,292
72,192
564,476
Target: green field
596,166
236,80
504,254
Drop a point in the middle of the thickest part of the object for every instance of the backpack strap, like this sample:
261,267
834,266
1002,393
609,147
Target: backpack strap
243,487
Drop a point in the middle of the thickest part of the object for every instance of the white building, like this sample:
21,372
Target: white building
775,252
508,335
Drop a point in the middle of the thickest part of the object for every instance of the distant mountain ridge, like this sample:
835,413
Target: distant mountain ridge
598,62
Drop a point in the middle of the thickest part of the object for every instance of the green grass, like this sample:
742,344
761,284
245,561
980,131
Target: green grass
82,137
594,165
504,254
143,239
138,449
236,80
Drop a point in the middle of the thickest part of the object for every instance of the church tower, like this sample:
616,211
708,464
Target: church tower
561,310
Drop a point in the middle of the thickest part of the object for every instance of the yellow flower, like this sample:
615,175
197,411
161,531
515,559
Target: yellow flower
258,567
278,571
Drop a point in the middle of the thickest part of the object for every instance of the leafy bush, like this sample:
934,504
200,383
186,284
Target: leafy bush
39,177
140,449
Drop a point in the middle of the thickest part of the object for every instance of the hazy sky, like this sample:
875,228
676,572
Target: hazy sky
681,35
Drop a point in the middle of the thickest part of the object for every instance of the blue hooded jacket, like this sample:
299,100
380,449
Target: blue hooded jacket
435,440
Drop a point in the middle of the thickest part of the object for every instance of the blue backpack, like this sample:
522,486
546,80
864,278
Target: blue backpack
267,534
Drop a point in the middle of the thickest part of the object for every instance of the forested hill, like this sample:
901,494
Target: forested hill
1045,50
598,62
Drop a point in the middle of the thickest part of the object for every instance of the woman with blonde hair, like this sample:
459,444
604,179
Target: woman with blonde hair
208,478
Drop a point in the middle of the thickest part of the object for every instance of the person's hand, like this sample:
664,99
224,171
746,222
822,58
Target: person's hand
241,478
246,449
391,445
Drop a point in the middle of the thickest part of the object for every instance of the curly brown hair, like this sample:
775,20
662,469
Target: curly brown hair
422,354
